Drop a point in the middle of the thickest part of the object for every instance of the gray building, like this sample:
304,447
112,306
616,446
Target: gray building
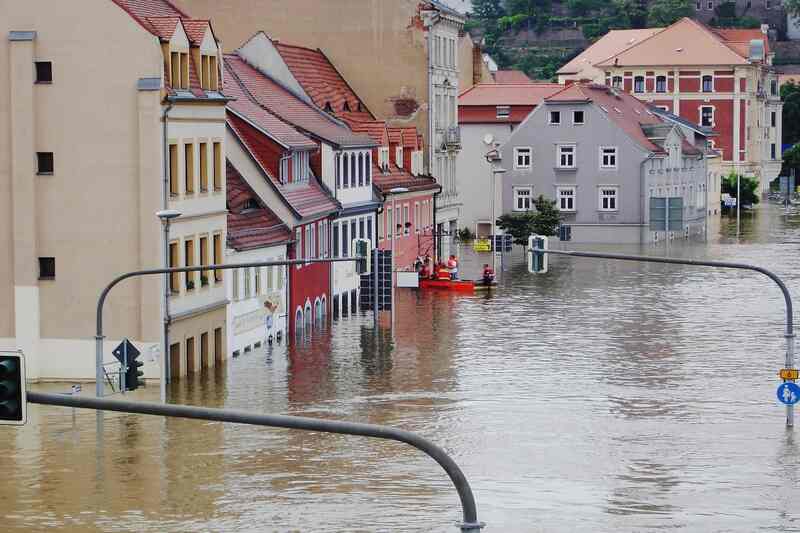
619,171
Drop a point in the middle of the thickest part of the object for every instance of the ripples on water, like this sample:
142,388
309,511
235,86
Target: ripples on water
601,396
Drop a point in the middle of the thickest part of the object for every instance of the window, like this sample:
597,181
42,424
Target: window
380,226
406,221
577,117
383,157
174,262
361,169
188,260
345,171
616,82
773,119
338,170
608,157
698,5
301,169
345,241
175,72
503,111
389,222
212,68
706,116
44,72
638,84
173,170
416,216
270,279
336,240
218,256
217,166
708,84
566,156
44,162
184,70
361,228
661,84
398,156
369,229
566,198
47,268
522,198
204,74
204,260
773,87
608,198
188,158
353,174
522,157
203,167
772,151
710,5
247,285
307,243
368,164
555,117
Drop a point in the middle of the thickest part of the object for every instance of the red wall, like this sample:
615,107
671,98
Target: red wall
307,282
723,122
488,114
408,247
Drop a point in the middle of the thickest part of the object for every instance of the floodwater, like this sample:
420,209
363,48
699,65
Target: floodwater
602,396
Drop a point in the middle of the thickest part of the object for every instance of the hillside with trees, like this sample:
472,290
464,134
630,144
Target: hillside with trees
538,36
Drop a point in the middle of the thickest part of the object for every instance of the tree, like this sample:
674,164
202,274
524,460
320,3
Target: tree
543,221
791,161
487,9
665,12
792,7
749,187
790,94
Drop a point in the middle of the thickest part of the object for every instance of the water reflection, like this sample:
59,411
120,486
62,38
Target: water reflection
601,396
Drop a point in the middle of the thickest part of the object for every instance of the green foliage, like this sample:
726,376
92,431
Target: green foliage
791,158
543,221
487,9
749,188
465,235
792,7
725,17
665,12
790,94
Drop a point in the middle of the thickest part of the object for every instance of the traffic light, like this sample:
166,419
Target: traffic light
12,389
361,248
133,374
537,261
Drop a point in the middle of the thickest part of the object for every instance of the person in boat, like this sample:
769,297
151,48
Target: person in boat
444,273
488,274
452,265
427,268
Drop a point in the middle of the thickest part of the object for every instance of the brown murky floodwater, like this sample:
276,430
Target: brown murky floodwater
601,396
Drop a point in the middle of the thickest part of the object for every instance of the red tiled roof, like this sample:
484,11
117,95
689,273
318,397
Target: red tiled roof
307,199
739,39
398,177
627,112
395,135
411,138
376,129
485,94
511,76
251,228
142,9
163,27
321,81
245,106
196,30
284,104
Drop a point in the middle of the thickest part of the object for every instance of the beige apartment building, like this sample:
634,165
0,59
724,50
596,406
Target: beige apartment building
407,59
86,161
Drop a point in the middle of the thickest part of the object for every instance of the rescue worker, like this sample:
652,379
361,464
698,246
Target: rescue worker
444,274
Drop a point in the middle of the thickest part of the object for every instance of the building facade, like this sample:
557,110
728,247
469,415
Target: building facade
258,308
610,164
59,115
487,115
423,54
717,78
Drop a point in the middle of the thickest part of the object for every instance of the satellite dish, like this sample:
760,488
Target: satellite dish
488,139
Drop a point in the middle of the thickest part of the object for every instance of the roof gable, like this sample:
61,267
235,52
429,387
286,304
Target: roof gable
493,94
610,44
179,39
686,42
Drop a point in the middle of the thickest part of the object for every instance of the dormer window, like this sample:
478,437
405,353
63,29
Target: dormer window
346,106
249,204
398,156
383,158
208,72
328,108
300,167
179,70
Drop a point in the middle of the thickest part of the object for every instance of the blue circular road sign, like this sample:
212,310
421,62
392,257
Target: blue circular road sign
788,393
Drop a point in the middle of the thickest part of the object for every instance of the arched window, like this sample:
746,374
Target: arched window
298,322
309,318
368,173
345,171
353,170
338,171
318,311
661,84
360,170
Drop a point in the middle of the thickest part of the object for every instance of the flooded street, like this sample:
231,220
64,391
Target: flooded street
601,396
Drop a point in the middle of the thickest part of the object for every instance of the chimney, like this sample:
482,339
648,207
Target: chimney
477,63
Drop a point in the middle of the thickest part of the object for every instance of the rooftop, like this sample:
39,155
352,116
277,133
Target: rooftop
528,94
511,76
250,227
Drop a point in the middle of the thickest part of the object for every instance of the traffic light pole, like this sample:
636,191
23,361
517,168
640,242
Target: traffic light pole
470,522
789,333
165,356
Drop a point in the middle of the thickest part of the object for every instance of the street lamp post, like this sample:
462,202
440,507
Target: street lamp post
166,216
394,192
495,172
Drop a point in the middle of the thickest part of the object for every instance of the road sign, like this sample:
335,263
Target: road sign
482,245
789,373
119,351
788,393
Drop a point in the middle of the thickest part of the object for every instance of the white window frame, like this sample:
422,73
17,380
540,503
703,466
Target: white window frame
517,197
700,115
503,111
666,84
644,85
601,189
615,155
398,156
576,123
702,76
559,148
517,153
550,117
572,197
383,156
